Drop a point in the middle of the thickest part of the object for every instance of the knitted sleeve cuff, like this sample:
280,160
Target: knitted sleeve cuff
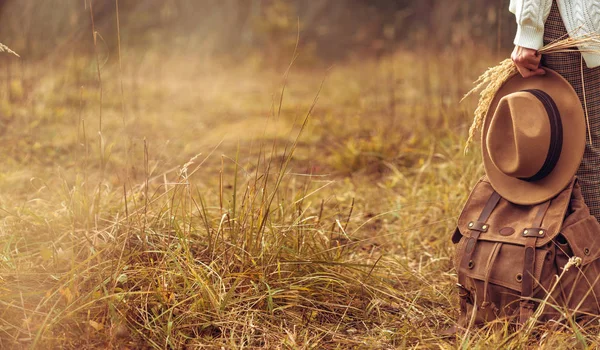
529,37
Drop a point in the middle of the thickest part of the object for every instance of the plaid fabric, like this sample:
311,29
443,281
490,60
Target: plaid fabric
569,66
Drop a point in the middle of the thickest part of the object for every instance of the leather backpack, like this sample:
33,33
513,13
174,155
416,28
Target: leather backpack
508,256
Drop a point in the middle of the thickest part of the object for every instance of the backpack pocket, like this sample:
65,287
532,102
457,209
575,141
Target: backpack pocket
492,281
504,267
582,238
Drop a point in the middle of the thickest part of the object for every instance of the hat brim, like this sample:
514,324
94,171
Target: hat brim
571,112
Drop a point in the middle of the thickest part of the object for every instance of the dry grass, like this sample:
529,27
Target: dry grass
218,210
4,48
290,236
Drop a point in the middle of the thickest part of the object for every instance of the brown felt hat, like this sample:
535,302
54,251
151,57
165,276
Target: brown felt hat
533,138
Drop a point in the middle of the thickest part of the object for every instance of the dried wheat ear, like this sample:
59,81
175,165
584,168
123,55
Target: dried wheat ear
493,78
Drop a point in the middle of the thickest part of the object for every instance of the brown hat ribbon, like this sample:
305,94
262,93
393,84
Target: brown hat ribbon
556,135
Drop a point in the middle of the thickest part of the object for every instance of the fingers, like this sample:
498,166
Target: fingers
539,71
526,73
529,65
527,61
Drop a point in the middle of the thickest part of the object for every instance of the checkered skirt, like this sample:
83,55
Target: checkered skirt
569,66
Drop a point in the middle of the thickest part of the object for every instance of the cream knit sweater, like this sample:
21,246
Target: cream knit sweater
580,17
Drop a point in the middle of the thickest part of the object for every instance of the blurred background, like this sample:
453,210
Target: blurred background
121,118
329,29
209,64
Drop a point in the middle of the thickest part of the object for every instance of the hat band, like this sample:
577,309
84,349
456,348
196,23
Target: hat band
556,135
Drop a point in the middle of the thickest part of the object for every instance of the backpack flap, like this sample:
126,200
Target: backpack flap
511,223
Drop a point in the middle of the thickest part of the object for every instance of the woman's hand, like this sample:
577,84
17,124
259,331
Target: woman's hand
527,61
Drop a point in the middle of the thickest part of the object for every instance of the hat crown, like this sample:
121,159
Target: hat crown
519,138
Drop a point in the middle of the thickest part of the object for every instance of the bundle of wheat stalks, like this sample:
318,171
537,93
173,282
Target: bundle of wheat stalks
493,78
4,48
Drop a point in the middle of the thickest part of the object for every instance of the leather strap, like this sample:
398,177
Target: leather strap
489,207
539,217
488,272
472,240
464,293
534,232
526,305
480,226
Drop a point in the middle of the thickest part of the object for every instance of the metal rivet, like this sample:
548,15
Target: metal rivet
519,277
525,232
471,224
586,251
484,227
541,232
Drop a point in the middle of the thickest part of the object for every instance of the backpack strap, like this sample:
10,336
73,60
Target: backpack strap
477,227
488,272
526,305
